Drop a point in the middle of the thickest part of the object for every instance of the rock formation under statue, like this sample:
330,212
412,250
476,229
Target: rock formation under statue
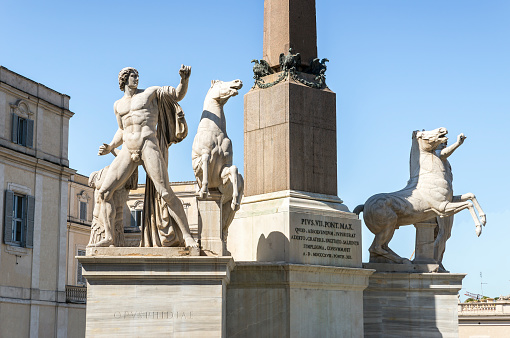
428,195
212,152
97,229
150,120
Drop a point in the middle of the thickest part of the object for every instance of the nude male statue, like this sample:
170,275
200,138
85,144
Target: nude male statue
137,114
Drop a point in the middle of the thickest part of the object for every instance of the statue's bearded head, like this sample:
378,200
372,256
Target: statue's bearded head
124,75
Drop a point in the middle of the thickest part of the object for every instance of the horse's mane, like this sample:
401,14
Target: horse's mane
414,160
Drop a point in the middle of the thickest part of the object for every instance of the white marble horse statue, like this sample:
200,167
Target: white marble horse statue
428,194
212,152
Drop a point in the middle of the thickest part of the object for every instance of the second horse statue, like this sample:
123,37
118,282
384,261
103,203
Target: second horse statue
212,152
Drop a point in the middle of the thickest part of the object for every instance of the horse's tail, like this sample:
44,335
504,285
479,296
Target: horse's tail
359,209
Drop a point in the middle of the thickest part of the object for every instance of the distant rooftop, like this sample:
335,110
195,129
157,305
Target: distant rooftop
33,88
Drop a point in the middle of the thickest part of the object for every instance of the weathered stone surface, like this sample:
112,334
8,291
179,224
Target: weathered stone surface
156,296
209,224
287,300
411,304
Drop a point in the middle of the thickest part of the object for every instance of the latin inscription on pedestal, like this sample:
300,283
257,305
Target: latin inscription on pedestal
323,240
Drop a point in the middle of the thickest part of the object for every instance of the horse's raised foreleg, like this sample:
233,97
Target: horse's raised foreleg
454,207
471,196
204,190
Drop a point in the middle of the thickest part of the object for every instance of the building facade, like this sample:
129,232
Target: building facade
34,177
485,319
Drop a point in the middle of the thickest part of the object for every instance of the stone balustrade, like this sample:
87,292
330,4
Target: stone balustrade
484,308
76,294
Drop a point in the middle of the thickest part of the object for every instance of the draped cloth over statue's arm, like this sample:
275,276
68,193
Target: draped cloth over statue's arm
159,228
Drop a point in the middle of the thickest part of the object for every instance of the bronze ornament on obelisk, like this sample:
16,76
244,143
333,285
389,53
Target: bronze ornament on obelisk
290,117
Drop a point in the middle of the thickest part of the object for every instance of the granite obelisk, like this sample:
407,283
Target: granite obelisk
290,128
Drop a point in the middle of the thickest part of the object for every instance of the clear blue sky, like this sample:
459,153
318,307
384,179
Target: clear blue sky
396,66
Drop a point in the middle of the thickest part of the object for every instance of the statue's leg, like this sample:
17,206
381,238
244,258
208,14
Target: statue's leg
471,196
158,173
229,176
445,231
204,190
387,227
454,207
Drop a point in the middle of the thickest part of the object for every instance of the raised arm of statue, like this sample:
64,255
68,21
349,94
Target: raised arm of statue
182,88
117,138
449,150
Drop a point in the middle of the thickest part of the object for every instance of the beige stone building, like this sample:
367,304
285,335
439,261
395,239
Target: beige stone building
485,319
79,220
34,176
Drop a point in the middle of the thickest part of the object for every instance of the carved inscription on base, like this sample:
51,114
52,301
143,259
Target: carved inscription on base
326,240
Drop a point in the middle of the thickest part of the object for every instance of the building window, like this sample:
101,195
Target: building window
22,131
136,218
83,211
19,219
80,280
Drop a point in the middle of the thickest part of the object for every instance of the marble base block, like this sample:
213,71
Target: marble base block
295,300
296,227
406,304
209,224
156,296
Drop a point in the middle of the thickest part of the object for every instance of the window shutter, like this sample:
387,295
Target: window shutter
133,219
14,131
30,133
29,237
83,211
9,207
79,276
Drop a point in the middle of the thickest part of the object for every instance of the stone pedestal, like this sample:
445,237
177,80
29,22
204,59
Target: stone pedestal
296,227
411,304
156,296
424,249
294,300
209,224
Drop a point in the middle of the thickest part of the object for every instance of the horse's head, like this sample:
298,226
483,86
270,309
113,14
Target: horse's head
430,140
222,91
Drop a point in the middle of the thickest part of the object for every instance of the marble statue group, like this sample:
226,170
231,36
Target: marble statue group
149,121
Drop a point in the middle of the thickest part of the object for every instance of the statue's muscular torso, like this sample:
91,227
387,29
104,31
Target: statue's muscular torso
138,116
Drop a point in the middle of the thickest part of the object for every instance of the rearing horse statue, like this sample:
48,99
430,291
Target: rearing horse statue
428,194
212,152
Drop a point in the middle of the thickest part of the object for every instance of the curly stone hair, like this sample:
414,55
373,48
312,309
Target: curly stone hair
124,74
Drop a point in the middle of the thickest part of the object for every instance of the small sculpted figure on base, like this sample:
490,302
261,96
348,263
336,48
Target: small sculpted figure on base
428,194
212,152
149,120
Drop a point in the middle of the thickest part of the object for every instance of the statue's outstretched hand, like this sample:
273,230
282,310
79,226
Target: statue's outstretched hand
104,149
185,72
461,138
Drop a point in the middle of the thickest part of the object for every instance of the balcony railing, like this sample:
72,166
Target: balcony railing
76,294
